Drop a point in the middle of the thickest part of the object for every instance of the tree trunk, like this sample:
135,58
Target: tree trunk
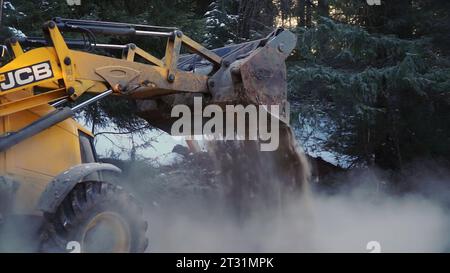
247,12
285,10
323,8
301,7
391,17
308,20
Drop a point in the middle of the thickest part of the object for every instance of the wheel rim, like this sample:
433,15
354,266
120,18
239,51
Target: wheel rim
106,232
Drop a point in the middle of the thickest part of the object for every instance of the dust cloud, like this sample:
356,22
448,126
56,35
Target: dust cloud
345,220
264,203
341,223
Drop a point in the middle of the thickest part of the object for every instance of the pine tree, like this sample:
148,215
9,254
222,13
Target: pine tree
10,13
220,25
374,98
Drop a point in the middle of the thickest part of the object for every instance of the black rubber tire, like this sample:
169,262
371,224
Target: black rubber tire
85,201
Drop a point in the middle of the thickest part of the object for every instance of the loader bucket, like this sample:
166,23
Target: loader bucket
258,76
251,73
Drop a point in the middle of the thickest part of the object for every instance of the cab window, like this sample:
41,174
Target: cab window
87,148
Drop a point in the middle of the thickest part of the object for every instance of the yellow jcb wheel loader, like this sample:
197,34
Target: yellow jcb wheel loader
48,168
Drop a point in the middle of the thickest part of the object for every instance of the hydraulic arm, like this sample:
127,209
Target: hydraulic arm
57,69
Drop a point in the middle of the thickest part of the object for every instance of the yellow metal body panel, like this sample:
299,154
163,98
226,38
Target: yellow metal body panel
35,161
35,56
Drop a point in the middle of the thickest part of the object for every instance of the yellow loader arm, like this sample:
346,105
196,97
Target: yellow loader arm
70,73
53,70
